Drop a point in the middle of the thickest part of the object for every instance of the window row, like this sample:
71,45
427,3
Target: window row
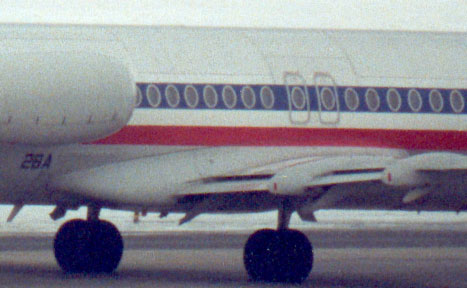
414,100
298,98
209,95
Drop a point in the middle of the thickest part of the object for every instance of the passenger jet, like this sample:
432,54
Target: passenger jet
165,119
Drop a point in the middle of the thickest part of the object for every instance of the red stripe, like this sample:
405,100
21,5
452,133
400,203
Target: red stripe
259,136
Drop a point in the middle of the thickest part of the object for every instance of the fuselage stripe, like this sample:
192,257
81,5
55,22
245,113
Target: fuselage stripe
281,136
176,96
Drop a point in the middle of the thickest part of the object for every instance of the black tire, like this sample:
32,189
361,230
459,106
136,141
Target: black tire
257,256
93,247
71,246
106,247
296,256
278,256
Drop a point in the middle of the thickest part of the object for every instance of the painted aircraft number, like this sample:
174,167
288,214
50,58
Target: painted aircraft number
36,161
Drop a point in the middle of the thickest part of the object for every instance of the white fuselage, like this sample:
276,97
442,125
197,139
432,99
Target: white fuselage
258,95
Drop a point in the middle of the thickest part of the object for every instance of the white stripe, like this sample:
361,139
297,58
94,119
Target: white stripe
243,118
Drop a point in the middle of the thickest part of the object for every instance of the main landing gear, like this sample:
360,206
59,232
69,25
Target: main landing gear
92,245
280,255
96,246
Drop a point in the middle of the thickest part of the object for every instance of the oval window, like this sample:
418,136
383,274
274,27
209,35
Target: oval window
415,100
172,96
248,97
298,98
436,101
267,97
229,97
210,96
457,101
138,97
394,100
372,99
351,99
191,96
328,99
153,94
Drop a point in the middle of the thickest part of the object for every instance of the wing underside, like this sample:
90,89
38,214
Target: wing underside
420,182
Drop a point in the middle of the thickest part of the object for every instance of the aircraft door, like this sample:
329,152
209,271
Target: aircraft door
328,98
298,98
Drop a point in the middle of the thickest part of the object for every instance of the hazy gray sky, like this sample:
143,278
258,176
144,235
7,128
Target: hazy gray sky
433,15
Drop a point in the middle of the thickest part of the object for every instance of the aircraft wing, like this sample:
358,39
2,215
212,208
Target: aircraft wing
312,183
295,177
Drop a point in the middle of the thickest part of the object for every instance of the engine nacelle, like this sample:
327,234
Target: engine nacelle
293,180
414,171
403,176
49,98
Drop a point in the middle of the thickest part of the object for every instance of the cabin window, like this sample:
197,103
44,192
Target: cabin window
248,97
298,98
138,97
153,94
351,99
436,101
415,100
267,97
191,96
457,101
172,96
229,96
210,96
328,99
372,99
394,100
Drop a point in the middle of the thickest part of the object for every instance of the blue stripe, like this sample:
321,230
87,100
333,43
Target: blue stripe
281,102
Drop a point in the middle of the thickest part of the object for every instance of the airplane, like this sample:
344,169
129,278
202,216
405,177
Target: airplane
166,119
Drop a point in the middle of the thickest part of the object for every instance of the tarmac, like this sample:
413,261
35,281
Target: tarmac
360,257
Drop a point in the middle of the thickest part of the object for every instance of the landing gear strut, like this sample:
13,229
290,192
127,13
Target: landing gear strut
92,246
280,255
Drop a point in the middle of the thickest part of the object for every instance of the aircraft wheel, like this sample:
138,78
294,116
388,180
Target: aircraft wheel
278,256
83,246
106,247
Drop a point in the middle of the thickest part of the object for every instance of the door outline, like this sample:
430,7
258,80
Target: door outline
334,118
290,78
